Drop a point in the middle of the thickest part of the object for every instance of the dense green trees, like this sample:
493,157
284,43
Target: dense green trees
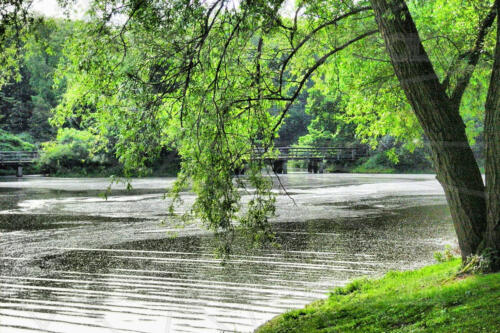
74,151
329,125
10,142
15,104
27,98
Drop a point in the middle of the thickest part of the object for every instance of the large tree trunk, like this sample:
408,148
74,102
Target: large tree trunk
492,138
455,165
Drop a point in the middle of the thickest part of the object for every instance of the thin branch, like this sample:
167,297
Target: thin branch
472,58
448,39
207,27
284,188
311,70
371,58
311,34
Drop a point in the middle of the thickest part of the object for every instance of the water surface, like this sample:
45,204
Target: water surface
73,262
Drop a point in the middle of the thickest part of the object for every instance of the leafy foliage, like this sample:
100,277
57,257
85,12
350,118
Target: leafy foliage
11,142
328,126
157,86
27,98
72,149
15,104
446,255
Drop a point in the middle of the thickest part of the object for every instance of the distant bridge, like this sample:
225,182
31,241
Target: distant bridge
325,153
314,155
18,159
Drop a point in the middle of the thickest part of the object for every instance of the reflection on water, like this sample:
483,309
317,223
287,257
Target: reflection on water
72,262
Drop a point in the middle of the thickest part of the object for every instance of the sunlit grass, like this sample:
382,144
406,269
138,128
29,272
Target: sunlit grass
431,299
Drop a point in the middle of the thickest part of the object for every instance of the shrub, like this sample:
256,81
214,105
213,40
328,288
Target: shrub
445,256
72,150
351,287
11,142
396,159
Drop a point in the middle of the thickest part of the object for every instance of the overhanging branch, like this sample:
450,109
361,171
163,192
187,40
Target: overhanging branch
311,34
312,69
472,59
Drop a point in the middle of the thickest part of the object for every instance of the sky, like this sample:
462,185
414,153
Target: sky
51,8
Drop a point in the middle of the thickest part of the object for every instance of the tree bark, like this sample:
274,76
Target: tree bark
492,138
455,165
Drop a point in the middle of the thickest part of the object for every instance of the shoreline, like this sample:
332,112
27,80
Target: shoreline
429,299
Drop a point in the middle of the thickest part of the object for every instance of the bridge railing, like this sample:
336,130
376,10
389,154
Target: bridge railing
331,153
13,157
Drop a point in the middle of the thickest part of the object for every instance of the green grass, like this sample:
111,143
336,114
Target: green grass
381,169
431,299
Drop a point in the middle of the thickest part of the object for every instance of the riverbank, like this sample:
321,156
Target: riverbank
431,299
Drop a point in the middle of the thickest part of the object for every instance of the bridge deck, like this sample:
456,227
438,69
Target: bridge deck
308,153
285,153
17,157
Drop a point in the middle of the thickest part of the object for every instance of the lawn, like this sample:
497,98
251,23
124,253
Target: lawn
431,299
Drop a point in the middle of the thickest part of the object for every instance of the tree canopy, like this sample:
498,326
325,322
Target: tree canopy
27,96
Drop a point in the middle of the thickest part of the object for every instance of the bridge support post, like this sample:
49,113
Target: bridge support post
239,171
313,166
279,166
19,172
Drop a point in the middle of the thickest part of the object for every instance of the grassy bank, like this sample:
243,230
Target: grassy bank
431,299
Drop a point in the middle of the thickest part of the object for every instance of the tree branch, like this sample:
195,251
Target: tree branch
311,70
472,59
311,34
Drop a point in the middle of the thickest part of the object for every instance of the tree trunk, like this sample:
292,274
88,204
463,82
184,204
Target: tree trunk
492,138
455,165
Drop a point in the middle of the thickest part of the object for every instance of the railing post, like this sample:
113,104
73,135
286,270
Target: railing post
19,172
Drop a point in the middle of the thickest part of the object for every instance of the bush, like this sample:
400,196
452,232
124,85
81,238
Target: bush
11,142
378,163
351,287
445,256
396,159
73,150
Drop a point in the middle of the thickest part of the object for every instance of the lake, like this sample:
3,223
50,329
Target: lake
71,261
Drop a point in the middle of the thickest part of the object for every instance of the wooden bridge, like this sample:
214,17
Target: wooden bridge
315,156
325,153
18,159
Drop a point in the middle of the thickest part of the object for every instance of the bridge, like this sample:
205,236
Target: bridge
18,159
315,156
